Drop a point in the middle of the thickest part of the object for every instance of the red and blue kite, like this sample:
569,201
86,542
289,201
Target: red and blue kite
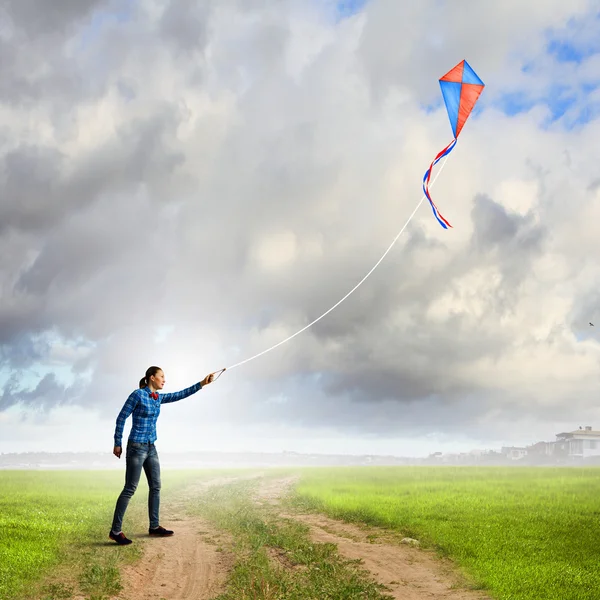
461,88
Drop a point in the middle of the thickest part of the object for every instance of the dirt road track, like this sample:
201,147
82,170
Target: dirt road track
190,566
409,573
182,567
186,566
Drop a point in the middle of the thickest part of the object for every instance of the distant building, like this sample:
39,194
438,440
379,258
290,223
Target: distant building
514,452
540,449
581,443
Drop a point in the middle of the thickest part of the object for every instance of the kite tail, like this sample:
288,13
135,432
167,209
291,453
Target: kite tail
441,220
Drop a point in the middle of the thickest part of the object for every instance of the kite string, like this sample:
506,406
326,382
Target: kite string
352,290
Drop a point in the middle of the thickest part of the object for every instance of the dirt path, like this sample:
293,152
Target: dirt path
410,573
186,566
190,565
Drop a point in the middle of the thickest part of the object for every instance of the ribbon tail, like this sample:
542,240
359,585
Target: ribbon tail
441,220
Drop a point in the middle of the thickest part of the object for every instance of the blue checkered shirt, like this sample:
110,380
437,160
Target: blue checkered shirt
145,412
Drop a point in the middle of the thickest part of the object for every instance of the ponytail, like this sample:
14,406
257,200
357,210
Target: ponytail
149,372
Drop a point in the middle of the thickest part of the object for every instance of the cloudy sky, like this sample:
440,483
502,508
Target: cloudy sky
188,182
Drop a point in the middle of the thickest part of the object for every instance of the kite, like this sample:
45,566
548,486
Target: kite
461,88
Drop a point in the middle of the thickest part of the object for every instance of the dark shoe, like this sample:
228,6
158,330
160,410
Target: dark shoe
120,539
160,530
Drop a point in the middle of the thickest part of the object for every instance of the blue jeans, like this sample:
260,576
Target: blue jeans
138,456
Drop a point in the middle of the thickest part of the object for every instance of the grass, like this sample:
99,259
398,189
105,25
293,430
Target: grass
274,557
523,534
55,527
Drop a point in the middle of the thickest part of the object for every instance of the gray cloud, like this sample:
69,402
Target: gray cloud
47,394
32,178
37,61
37,18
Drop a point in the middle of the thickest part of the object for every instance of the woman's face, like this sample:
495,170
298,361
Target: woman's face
158,380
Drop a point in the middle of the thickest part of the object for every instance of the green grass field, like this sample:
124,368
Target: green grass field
522,534
526,533
46,517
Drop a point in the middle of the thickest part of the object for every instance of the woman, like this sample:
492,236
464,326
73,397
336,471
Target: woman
144,403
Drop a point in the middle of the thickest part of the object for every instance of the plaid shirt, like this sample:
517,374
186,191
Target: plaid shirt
145,413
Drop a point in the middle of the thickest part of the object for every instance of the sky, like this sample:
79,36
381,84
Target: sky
188,183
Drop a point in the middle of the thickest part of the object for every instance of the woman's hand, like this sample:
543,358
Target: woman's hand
208,379
117,451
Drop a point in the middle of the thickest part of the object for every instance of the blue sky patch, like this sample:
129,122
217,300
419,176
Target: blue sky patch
564,51
560,99
348,8
514,103
576,41
101,17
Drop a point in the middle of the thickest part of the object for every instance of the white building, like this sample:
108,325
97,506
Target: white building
581,443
